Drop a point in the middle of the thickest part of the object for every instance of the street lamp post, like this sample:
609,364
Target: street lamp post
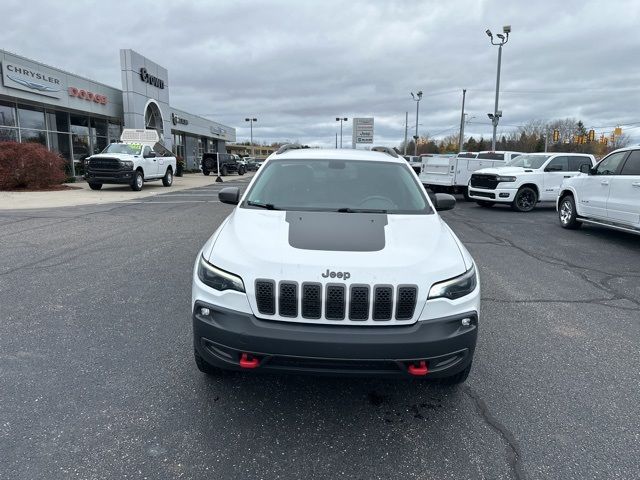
341,119
495,116
417,97
251,120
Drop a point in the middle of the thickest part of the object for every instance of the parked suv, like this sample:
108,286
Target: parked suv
607,194
228,164
526,180
317,270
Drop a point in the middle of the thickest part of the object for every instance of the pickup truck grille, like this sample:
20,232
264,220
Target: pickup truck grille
480,180
335,301
104,164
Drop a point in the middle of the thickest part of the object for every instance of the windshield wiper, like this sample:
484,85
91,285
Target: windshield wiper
268,206
360,210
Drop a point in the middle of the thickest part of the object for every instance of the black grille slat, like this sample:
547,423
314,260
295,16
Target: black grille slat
335,302
382,303
311,300
480,180
359,303
406,302
288,299
265,297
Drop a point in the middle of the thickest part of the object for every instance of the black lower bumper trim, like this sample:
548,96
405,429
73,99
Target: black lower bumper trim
445,344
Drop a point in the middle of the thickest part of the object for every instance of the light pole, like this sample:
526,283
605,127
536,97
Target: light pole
495,116
417,97
341,119
462,115
251,120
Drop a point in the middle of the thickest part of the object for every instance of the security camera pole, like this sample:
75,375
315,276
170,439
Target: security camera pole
417,97
218,178
495,116
341,119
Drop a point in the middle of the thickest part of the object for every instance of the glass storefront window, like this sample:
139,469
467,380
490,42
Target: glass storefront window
99,127
31,117
58,121
114,132
80,125
60,143
35,136
99,144
81,150
8,134
7,115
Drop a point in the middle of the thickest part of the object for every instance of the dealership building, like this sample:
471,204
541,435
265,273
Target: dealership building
76,117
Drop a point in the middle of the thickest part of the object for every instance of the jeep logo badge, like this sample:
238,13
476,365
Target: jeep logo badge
330,274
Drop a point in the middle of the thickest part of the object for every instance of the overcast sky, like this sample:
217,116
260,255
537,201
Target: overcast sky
296,65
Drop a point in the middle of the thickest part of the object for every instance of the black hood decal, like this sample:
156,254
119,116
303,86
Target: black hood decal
332,231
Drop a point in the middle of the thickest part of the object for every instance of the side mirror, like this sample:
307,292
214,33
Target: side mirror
230,195
150,155
444,201
585,168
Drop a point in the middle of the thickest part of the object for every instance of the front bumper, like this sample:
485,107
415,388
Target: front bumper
444,344
118,176
505,195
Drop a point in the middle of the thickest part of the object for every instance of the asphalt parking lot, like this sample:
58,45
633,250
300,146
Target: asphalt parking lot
98,379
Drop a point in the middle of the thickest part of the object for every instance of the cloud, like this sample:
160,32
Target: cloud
297,65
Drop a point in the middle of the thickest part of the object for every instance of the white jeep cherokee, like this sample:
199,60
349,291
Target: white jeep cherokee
336,262
607,195
526,179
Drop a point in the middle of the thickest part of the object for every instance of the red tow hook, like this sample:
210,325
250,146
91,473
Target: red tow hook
418,369
248,361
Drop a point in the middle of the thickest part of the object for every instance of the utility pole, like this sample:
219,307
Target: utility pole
495,116
406,126
251,120
417,97
464,94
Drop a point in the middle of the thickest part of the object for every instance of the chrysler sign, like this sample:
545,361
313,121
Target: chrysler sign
31,80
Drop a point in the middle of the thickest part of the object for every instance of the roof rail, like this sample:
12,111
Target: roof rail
387,150
289,146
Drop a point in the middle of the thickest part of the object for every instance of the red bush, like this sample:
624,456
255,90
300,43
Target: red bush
29,165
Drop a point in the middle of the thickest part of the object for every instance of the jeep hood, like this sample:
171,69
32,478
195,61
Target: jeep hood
301,246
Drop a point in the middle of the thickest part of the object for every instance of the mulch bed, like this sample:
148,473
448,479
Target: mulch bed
44,189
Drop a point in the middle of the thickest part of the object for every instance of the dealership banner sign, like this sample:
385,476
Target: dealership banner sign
362,130
31,80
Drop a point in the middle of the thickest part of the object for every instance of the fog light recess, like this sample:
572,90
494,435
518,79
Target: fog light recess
205,311
466,322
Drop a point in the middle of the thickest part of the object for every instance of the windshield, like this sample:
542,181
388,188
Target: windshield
528,161
128,148
338,185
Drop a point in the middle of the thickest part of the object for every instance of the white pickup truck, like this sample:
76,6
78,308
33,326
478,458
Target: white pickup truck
526,180
451,173
137,159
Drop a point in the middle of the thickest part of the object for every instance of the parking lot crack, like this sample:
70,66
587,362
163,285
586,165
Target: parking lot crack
513,452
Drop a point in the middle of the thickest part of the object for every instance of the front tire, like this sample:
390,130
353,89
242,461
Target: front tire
525,200
167,180
206,172
465,193
567,213
224,171
95,186
241,170
138,181
485,204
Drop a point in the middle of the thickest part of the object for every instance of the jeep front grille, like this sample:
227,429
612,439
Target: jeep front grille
335,301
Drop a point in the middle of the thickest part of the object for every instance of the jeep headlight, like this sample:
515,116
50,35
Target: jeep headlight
455,287
501,179
218,279
126,164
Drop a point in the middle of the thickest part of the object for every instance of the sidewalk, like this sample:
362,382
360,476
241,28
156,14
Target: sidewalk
81,194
